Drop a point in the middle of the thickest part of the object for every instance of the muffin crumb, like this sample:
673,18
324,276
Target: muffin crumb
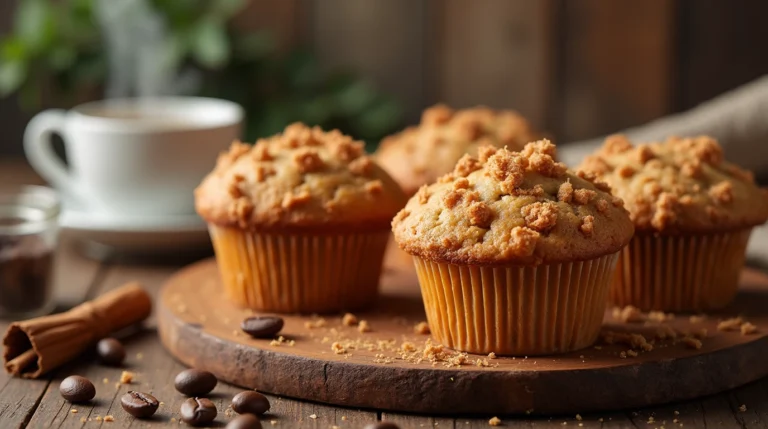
743,408
491,355
126,377
692,343
337,348
421,328
696,319
732,324
349,319
629,314
494,421
747,328
364,327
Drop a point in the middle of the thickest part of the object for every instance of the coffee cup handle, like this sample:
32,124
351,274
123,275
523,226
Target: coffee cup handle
39,150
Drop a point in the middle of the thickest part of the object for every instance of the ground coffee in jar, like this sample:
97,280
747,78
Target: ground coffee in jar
28,237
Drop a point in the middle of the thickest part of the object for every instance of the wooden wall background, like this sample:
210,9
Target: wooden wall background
576,68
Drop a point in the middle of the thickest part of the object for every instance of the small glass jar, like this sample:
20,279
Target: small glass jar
28,237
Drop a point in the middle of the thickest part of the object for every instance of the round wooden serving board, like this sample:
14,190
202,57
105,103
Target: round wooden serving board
201,328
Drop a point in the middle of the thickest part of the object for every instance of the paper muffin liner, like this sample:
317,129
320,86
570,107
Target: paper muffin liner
516,310
299,273
680,273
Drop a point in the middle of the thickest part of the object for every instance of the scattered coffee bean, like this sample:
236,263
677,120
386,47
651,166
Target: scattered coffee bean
246,421
139,404
382,425
198,411
250,402
77,389
262,326
111,351
195,382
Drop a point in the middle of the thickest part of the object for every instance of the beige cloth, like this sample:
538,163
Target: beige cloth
738,119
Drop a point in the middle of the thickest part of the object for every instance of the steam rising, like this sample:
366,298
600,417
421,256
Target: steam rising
143,56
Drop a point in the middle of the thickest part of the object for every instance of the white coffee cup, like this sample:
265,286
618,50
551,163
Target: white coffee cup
133,156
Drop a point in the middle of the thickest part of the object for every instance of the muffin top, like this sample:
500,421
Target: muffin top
682,185
419,155
520,208
301,179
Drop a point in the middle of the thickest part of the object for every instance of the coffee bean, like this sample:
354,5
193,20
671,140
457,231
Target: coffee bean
195,382
111,351
262,326
77,389
382,425
250,402
139,404
198,411
246,421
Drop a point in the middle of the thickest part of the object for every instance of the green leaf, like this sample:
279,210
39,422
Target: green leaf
13,49
35,25
226,8
12,75
209,43
62,57
355,97
378,120
254,46
302,71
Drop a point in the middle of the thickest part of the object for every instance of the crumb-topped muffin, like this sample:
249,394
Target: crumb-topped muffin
299,221
419,155
514,252
693,212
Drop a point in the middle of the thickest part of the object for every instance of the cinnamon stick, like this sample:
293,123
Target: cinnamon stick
34,347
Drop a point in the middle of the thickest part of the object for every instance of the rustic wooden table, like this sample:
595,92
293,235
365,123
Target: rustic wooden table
37,403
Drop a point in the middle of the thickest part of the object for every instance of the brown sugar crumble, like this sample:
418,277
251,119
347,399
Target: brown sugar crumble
338,348
732,324
696,319
692,343
315,323
126,377
349,319
421,328
363,327
747,328
494,421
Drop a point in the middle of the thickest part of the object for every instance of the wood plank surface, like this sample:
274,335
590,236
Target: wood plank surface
616,63
492,52
37,403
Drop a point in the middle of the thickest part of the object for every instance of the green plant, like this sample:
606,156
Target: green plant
56,53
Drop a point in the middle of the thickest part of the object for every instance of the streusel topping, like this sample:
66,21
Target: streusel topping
302,178
679,185
515,208
421,154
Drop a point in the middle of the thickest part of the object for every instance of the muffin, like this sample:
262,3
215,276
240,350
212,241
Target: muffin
299,221
514,253
693,213
419,155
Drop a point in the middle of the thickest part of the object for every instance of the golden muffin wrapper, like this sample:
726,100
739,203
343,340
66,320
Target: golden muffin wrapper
516,310
299,273
693,272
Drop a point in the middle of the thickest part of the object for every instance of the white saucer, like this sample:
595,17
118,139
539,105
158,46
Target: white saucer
137,234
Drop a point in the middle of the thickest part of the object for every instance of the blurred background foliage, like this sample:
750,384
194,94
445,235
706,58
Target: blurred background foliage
57,52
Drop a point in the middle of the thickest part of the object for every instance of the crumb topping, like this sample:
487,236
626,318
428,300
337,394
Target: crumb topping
505,206
303,178
679,185
420,155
